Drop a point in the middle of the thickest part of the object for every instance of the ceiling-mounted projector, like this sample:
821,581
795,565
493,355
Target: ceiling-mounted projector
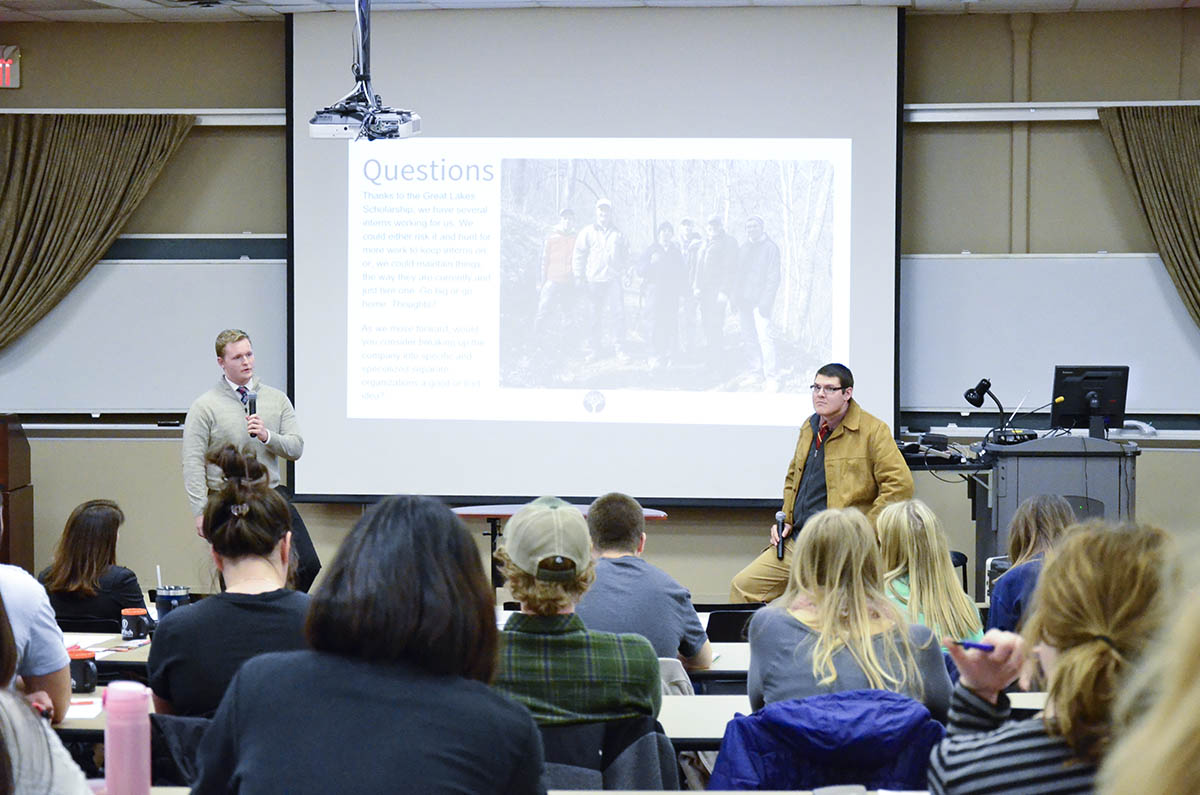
361,113
347,121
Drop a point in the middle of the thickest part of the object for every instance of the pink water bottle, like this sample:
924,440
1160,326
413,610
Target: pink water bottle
127,739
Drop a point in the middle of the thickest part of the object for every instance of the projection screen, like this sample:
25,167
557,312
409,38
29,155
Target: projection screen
612,261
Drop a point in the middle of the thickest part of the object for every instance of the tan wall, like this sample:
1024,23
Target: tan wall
223,180
958,179
702,547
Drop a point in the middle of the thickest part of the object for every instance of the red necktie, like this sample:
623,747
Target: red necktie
822,434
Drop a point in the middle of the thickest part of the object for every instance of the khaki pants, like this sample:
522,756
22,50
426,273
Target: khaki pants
765,578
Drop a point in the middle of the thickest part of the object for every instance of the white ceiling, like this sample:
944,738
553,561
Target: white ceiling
250,10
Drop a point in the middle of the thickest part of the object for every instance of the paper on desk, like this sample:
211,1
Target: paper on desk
84,709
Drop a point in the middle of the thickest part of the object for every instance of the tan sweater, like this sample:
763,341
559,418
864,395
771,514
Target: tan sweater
217,418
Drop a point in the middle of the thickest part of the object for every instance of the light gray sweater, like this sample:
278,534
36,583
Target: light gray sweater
217,418
781,665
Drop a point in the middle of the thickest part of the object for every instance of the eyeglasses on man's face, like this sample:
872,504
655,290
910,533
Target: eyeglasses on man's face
828,389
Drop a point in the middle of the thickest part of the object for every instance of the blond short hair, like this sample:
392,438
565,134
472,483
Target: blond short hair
228,337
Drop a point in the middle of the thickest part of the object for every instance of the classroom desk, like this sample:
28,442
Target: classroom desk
730,663
697,723
113,655
89,730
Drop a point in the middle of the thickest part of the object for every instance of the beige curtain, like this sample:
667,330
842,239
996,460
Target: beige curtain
68,184
1159,148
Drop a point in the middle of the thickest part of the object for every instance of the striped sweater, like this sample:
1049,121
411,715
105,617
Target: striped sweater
984,752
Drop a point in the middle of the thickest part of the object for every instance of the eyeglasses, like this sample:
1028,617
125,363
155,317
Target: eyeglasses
828,389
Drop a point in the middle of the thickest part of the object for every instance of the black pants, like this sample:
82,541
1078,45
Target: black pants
305,554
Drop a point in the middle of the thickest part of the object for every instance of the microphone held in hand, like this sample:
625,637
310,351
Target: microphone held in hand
780,516
252,406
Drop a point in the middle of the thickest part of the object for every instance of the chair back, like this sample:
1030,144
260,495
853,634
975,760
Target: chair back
728,626
622,754
675,681
106,625
959,560
174,741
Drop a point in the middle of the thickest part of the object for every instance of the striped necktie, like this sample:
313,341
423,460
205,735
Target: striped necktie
243,392
822,434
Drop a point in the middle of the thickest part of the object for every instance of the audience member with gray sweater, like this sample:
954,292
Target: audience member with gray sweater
631,595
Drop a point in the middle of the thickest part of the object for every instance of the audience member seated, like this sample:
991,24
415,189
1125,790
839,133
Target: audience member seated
1159,751
84,582
1100,599
918,575
393,696
32,758
1035,527
198,648
42,664
834,629
631,595
563,672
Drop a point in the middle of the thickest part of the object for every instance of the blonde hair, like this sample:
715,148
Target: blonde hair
836,567
228,337
1036,525
913,546
1166,739
1100,598
544,597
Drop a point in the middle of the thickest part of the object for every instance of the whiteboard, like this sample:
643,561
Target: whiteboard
1013,318
137,336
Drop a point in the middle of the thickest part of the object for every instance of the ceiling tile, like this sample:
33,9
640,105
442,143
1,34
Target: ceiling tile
11,15
45,6
96,14
130,5
258,12
940,6
190,14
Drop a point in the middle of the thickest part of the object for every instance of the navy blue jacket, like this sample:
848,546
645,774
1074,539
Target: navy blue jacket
1012,595
875,738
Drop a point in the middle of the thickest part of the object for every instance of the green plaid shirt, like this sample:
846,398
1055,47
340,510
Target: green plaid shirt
565,673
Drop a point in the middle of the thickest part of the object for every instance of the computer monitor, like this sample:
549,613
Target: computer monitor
1093,397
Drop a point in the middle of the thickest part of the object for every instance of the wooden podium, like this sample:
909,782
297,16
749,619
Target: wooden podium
16,495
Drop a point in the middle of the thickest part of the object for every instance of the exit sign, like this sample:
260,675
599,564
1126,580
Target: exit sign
10,66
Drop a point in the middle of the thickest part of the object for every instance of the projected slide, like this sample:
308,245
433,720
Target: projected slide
683,281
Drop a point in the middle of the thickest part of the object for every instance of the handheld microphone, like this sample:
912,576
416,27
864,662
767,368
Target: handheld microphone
780,516
251,405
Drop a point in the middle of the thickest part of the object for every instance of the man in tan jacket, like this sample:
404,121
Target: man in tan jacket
845,458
